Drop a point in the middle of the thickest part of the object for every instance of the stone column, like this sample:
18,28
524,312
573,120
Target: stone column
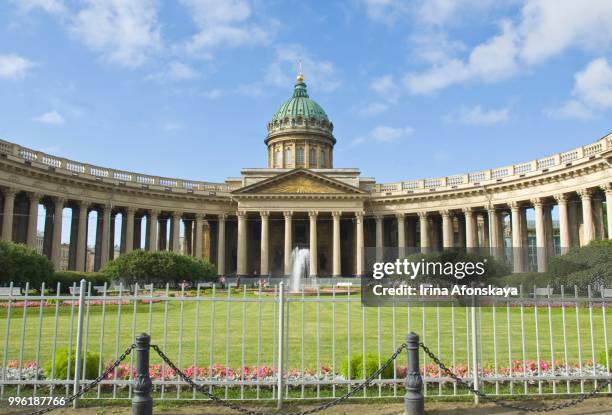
336,271
599,228
379,238
221,245
176,231
153,215
81,250
494,232
288,242
106,231
608,189
33,219
206,240
447,229
129,229
471,240
360,243
424,231
314,260
242,244
162,236
517,237
7,218
56,250
199,223
541,250
587,215
564,231
401,234
264,266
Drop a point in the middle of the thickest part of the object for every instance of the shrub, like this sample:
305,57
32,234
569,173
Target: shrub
371,364
527,280
21,264
158,267
587,265
91,362
601,358
69,278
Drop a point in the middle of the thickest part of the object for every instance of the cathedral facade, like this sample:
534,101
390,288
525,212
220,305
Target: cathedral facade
249,225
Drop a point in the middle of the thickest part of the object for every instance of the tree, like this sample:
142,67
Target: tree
158,267
20,264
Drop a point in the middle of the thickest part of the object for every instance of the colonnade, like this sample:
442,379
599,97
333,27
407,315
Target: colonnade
580,220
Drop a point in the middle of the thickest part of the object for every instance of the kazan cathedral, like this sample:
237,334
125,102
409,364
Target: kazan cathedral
249,225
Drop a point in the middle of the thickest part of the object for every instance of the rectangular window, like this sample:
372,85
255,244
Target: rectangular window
299,156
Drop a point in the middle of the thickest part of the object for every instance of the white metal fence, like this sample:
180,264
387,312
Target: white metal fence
545,343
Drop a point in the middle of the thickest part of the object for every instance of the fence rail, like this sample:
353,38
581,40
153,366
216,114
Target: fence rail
545,342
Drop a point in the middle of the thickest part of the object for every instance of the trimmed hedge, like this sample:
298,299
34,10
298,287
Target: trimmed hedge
91,362
371,366
20,264
158,268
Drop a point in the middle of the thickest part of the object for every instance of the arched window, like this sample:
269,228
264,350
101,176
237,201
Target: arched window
322,159
288,156
312,157
277,154
299,156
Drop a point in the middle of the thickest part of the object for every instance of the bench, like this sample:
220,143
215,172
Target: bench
16,291
344,284
543,292
205,285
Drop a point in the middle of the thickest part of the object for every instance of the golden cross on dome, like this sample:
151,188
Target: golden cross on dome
300,77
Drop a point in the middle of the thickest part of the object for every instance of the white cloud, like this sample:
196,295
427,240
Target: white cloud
50,117
544,29
373,108
320,74
49,6
225,23
385,11
385,134
478,116
176,71
170,127
592,92
13,66
126,32
385,87
488,62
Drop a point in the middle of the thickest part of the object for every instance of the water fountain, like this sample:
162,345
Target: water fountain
300,258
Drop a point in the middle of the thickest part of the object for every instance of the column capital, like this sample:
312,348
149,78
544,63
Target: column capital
468,210
84,204
359,215
378,217
155,212
446,213
313,214
264,214
221,217
288,214
561,198
515,205
537,202
200,217
130,210
58,200
422,215
241,214
9,191
585,193
491,208
400,216
177,215
336,214
35,196
607,188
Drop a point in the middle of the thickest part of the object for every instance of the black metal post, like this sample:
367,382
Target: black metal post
414,401
142,402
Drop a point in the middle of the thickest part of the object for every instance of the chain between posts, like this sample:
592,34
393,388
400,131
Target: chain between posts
499,402
90,386
247,411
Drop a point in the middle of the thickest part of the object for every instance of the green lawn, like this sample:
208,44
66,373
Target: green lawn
311,332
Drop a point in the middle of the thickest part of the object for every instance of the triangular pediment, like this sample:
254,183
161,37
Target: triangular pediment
299,181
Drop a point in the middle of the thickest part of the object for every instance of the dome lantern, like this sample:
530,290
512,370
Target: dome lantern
300,134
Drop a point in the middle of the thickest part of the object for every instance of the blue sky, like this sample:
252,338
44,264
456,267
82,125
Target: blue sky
415,89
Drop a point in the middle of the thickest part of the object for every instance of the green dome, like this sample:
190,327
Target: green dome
300,105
